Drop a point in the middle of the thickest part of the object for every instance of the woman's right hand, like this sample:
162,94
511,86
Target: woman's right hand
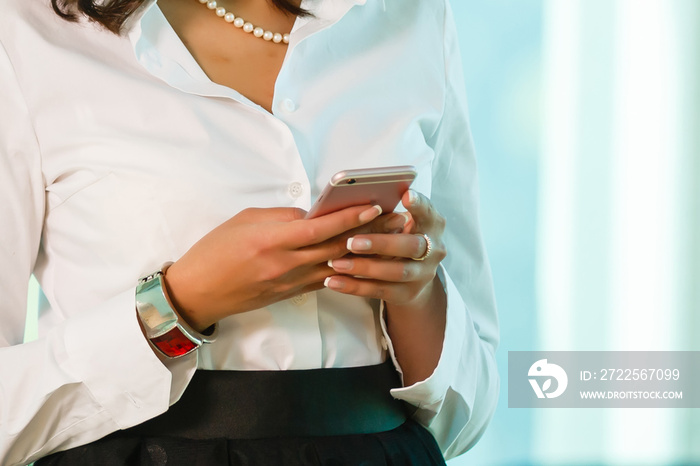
261,256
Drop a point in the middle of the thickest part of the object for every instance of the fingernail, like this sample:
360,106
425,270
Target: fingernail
333,283
340,264
412,197
371,213
359,244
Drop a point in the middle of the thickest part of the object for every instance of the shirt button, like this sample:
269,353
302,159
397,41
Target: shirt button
300,299
295,189
288,105
385,345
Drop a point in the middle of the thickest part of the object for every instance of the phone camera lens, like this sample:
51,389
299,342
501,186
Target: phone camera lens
352,181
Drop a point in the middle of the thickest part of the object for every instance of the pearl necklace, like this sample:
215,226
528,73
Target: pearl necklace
247,26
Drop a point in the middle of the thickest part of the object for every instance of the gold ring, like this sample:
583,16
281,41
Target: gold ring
428,248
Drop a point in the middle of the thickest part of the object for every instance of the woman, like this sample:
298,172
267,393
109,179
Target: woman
167,132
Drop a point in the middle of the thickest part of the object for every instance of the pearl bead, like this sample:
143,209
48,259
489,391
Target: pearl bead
247,26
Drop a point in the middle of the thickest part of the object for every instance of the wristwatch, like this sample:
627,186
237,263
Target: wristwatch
165,329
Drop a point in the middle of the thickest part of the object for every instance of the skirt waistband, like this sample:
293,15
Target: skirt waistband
265,404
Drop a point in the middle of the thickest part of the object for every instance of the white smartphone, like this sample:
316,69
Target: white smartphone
383,186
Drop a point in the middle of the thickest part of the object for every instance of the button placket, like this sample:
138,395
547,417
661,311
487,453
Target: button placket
300,300
295,190
287,105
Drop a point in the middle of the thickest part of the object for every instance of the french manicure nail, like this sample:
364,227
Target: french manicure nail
371,213
412,197
340,264
333,283
359,244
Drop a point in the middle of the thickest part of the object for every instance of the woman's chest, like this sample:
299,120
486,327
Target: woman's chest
151,144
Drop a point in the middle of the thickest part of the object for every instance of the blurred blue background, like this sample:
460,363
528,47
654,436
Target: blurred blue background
501,44
586,121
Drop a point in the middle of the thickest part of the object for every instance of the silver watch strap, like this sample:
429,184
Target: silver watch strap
158,316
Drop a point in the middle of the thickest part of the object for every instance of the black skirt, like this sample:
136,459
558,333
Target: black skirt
408,444
258,418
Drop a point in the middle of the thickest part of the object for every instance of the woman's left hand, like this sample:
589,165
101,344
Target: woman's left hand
400,268
389,266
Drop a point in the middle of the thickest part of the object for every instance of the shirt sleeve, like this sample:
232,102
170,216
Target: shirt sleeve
87,377
457,401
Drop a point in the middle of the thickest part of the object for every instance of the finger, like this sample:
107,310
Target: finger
300,280
312,279
400,271
307,232
393,222
393,292
274,214
336,247
424,214
410,246
410,224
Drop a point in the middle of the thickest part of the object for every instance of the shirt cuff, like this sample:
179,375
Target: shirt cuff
106,349
430,393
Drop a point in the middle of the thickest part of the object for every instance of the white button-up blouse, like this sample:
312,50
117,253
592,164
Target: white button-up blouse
117,153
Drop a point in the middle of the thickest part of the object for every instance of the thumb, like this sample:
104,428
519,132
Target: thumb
418,206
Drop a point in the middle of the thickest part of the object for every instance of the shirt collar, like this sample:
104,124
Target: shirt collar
161,52
324,11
